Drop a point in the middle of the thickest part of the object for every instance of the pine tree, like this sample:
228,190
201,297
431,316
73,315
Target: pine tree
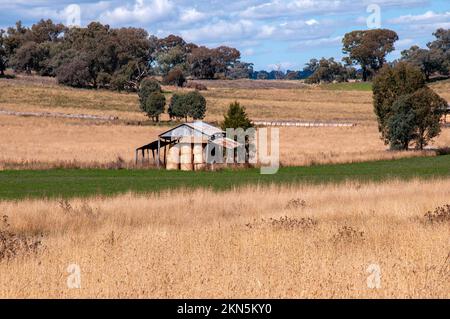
236,117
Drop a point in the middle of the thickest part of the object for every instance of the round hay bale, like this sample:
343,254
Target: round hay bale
173,158
186,157
199,157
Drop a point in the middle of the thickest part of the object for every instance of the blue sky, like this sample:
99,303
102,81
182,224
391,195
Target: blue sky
269,33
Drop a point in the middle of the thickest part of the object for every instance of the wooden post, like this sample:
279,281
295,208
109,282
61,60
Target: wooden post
165,163
159,152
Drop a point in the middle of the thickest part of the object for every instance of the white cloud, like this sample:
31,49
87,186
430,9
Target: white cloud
427,17
299,8
267,31
142,11
248,52
192,15
320,42
220,31
421,25
311,22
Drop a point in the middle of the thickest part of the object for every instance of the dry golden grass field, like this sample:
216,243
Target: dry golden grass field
292,242
302,241
46,142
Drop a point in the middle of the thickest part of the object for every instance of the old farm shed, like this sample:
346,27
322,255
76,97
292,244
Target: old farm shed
188,146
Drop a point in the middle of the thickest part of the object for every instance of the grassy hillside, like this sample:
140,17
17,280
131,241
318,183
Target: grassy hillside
75,183
281,100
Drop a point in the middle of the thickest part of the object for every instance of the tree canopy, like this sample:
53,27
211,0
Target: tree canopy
191,104
154,105
236,117
389,85
368,48
329,70
406,109
151,99
98,56
435,58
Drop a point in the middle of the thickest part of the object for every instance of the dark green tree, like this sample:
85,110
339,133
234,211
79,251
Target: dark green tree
151,99
428,109
177,107
196,105
154,105
389,85
407,110
27,57
401,124
236,117
191,104
147,87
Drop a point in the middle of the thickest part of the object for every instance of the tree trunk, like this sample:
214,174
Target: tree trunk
421,139
364,69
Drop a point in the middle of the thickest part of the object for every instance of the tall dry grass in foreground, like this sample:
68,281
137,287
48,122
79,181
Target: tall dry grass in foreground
294,242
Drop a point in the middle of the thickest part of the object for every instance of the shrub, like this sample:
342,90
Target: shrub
174,77
289,223
12,244
347,234
439,215
284,223
296,203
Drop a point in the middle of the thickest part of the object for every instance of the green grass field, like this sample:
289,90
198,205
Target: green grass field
82,183
346,86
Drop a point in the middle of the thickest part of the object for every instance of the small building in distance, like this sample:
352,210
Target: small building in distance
187,147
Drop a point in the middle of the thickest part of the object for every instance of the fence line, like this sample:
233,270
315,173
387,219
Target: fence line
303,124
